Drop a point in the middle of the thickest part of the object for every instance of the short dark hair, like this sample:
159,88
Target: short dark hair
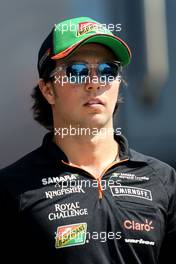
42,111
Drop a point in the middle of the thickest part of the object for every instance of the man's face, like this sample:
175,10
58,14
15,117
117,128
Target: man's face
75,104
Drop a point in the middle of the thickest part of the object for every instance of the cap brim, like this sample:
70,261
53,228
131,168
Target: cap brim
117,45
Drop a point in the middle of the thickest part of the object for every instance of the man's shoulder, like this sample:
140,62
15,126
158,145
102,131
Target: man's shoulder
160,168
140,158
155,163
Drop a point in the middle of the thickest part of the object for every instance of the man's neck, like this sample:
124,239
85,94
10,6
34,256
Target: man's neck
92,153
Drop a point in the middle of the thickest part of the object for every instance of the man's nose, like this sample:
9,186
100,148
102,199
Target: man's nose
93,80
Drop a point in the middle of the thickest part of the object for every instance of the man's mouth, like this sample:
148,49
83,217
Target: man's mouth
94,102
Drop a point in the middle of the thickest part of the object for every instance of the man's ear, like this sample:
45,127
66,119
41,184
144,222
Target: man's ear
47,91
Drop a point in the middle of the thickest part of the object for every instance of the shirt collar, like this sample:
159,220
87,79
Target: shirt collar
54,150
124,151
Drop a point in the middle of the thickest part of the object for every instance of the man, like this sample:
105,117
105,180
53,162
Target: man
83,196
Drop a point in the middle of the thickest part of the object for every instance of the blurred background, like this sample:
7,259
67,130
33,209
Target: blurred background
147,115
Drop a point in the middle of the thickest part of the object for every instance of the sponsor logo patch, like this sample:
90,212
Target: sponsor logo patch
139,241
120,190
67,210
138,226
71,235
119,176
86,27
58,180
64,191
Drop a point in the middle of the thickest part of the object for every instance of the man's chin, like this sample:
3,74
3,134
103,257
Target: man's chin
97,124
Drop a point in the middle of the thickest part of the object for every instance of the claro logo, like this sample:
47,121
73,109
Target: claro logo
133,225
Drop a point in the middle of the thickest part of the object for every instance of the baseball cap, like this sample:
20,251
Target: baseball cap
67,36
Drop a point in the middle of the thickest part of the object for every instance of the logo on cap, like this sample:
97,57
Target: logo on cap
87,27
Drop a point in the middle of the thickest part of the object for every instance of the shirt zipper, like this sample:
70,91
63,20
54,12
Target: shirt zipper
100,190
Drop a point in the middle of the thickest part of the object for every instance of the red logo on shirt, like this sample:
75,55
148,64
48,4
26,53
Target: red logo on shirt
133,225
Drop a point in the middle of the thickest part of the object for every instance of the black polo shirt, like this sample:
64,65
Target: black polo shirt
52,211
